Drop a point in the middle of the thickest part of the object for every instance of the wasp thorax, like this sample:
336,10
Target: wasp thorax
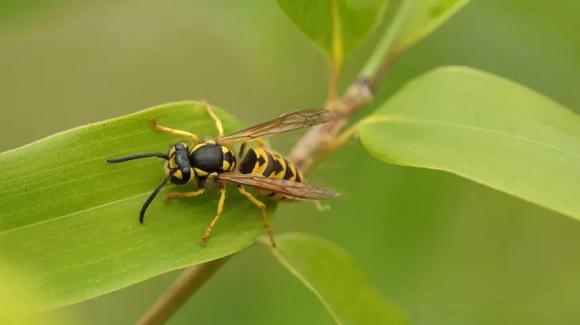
178,164
208,158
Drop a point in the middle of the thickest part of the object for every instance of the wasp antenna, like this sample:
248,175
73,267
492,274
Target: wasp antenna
151,197
138,156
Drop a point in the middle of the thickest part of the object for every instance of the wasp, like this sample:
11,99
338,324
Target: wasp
258,167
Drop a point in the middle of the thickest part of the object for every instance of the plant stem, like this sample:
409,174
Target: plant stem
313,144
333,84
184,286
386,50
320,139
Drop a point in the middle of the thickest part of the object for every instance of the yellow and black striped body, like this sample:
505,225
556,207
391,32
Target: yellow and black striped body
268,163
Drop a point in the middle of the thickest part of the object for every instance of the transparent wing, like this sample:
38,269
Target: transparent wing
287,122
295,190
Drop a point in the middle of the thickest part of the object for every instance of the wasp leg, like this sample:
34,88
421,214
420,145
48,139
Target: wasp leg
179,133
220,208
174,195
262,207
321,207
218,122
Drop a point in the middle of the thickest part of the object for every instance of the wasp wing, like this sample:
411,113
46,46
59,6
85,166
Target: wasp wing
294,190
284,123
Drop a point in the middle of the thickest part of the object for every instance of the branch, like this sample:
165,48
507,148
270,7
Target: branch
322,138
318,139
184,287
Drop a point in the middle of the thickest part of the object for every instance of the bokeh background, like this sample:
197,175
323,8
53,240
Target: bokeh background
446,250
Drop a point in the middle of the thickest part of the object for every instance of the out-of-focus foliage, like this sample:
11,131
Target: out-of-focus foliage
334,278
336,26
17,296
414,20
484,128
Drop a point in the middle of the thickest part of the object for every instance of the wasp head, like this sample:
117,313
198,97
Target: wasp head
178,165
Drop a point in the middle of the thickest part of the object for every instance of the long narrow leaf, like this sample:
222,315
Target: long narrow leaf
335,279
484,128
70,219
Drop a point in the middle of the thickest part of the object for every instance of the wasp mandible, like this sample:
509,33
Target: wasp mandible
214,160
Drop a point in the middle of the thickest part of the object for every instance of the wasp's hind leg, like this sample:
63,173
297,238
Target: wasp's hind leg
220,208
218,122
262,207
321,207
180,133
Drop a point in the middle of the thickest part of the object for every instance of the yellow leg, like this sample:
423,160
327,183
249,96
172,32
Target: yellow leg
174,195
218,123
262,207
321,207
179,133
220,208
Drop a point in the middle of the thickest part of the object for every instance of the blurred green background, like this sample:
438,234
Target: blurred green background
448,251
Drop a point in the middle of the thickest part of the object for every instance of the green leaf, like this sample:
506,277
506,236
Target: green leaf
16,298
415,20
484,128
334,278
336,26
70,219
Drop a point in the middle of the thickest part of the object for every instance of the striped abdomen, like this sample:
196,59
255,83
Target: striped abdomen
267,163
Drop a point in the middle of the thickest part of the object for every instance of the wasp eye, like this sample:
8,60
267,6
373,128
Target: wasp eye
180,146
